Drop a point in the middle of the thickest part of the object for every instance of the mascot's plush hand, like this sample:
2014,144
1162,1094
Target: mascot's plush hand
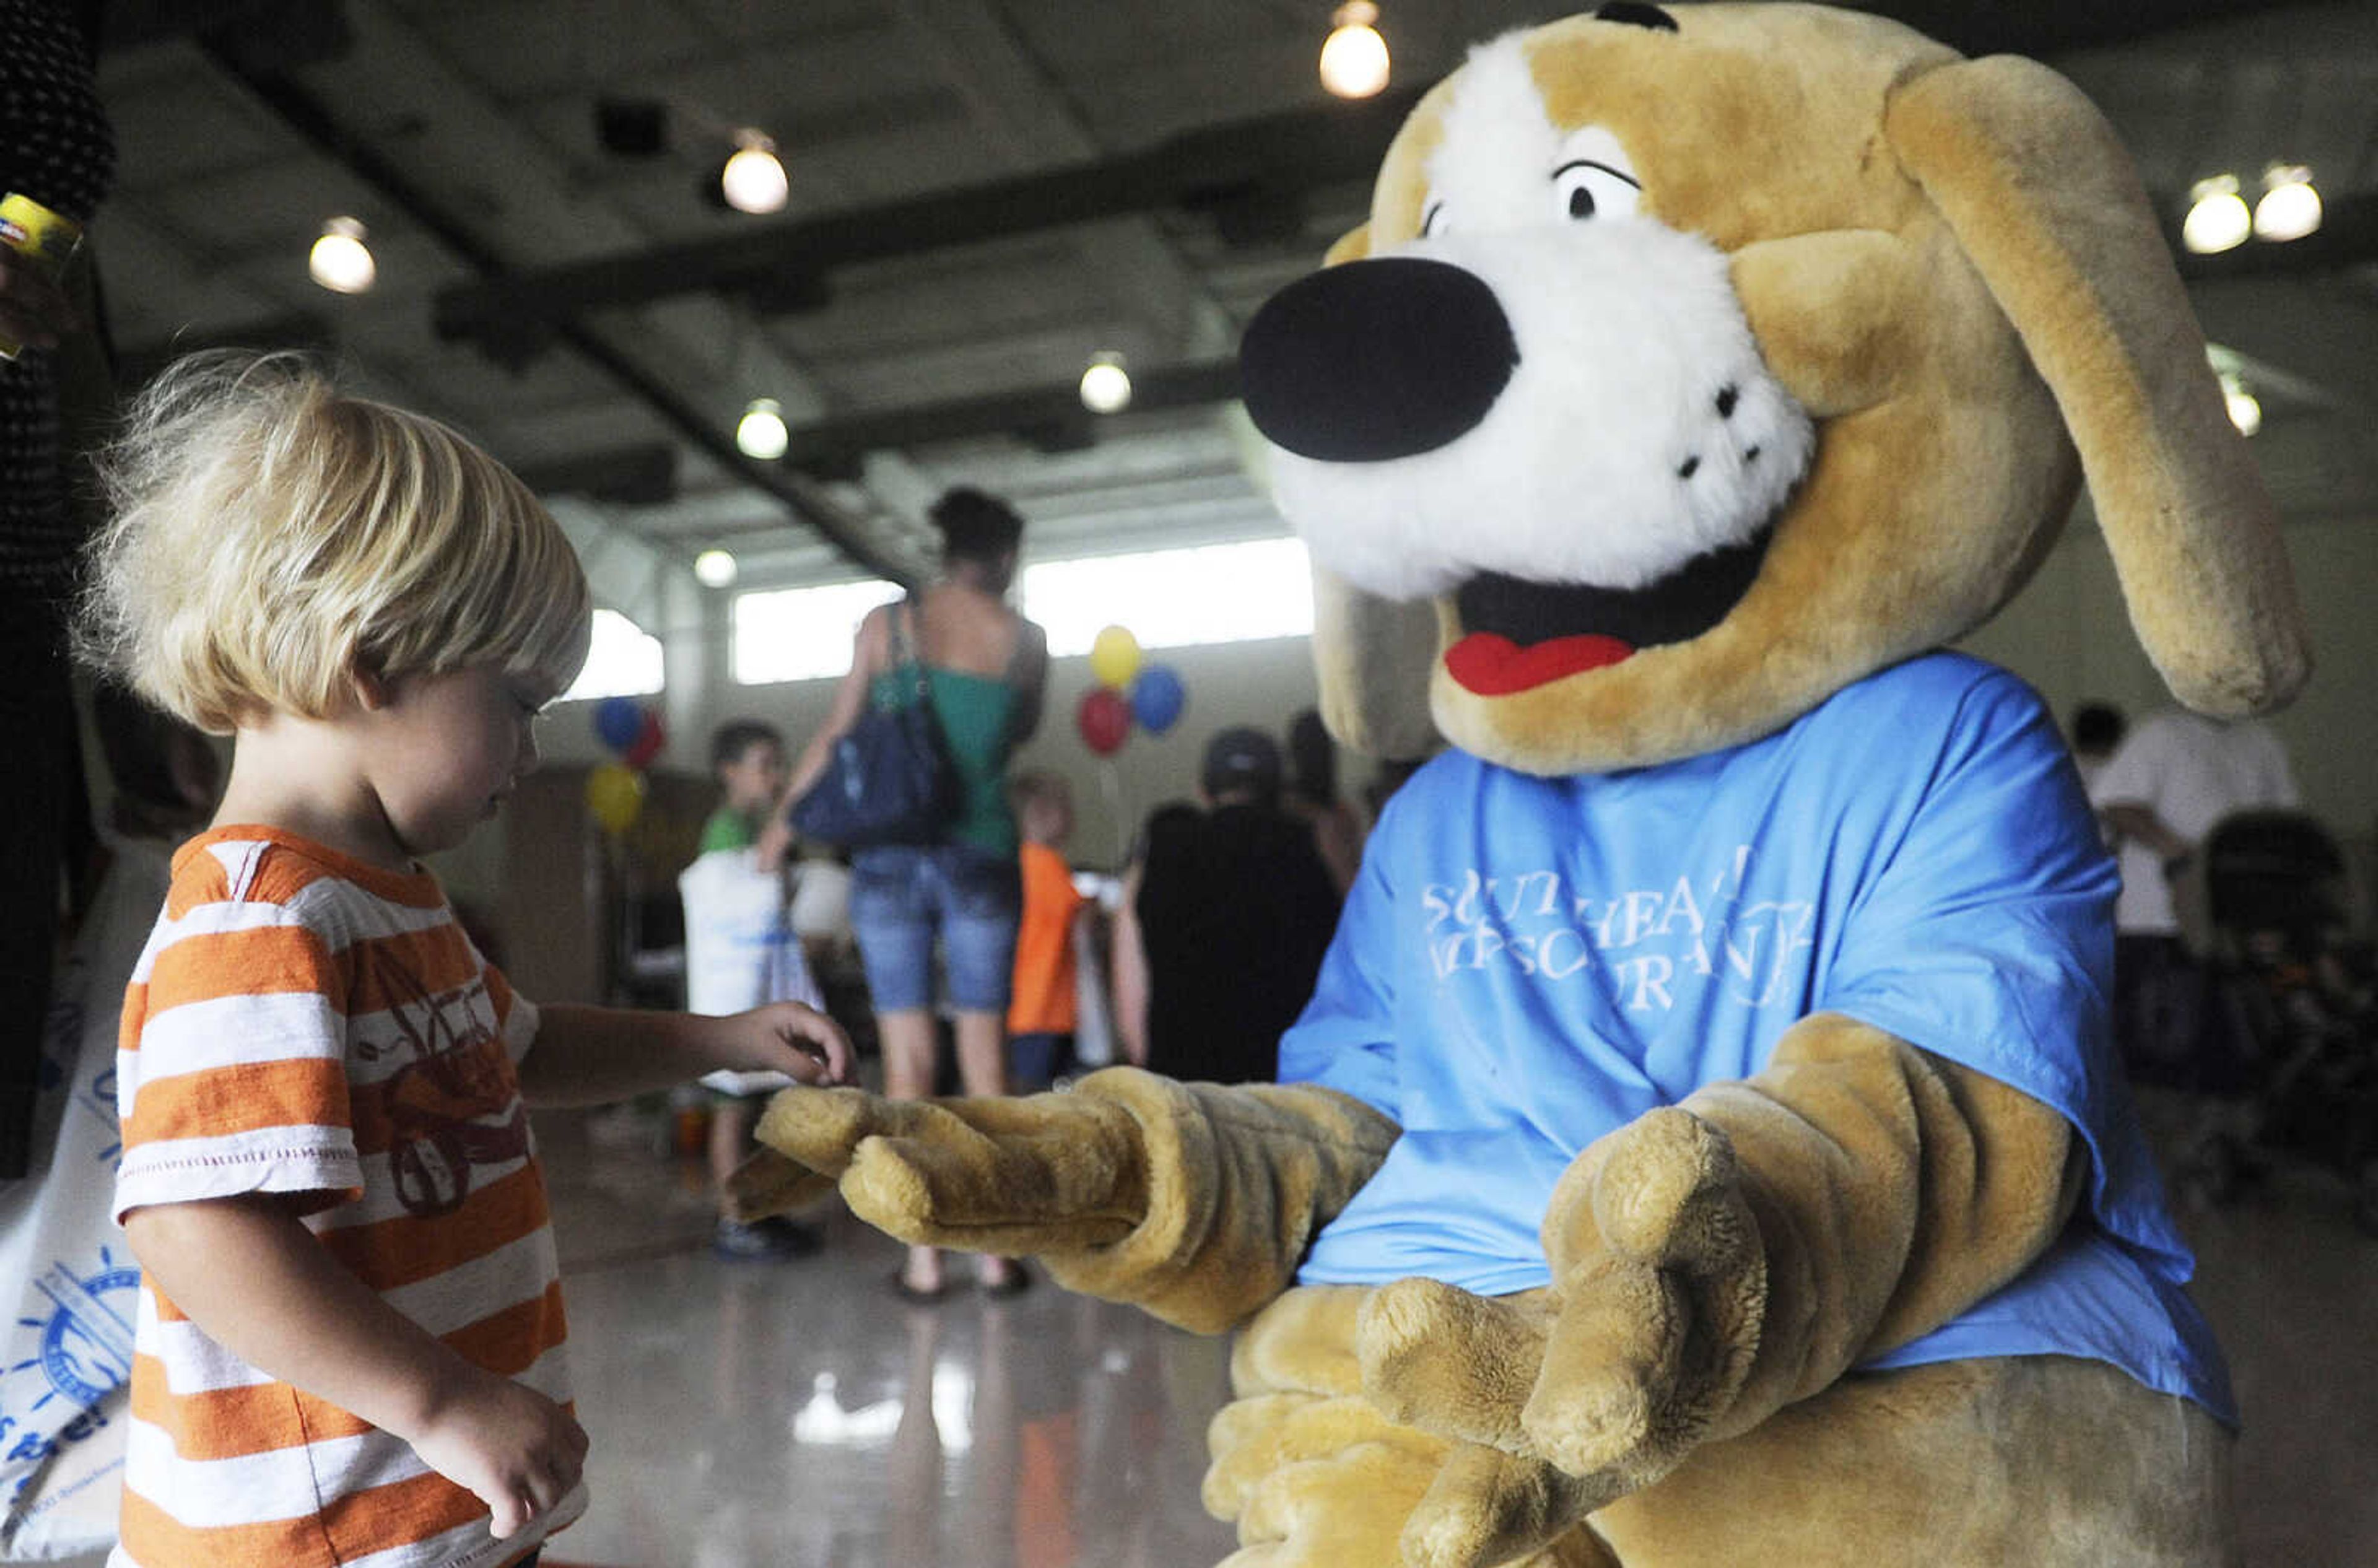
1646,1337
1464,1431
1052,1173
1710,1262
1191,1200
1316,1474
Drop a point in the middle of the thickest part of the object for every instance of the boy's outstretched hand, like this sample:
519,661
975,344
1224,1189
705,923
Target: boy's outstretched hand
784,1036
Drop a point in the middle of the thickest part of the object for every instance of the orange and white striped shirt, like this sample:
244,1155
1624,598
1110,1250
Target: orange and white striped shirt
303,1023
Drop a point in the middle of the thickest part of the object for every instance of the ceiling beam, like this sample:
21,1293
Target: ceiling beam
1052,414
306,114
1229,172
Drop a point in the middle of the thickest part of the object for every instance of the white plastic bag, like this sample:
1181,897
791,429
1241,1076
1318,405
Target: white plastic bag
740,949
66,1349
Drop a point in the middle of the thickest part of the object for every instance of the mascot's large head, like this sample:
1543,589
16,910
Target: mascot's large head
1698,360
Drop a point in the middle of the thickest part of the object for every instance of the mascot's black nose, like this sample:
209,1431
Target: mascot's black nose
1373,360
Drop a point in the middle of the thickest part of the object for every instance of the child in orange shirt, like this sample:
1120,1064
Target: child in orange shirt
1042,1014
350,1337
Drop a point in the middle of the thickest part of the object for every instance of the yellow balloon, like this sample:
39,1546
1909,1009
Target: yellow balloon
1115,657
615,795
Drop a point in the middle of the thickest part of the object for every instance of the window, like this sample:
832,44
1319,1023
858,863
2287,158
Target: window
1167,598
622,660
1175,598
801,633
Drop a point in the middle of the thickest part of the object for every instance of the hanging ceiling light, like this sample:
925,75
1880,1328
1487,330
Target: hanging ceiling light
715,568
1354,60
754,179
1105,385
2245,409
2217,219
2290,207
761,432
340,260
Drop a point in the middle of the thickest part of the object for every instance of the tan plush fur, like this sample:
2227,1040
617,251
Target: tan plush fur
1189,1200
1951,265
1960,1465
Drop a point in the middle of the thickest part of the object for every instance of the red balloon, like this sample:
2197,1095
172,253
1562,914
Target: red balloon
1104,719
651,739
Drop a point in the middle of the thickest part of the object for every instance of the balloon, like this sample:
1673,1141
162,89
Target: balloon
615,794
1104,719
651,739
1115,657
618,722
1158,696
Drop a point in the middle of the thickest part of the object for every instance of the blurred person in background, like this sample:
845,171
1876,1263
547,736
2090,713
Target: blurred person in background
1046,1010
986,670
2175,776
741,953
1313,796
1225,914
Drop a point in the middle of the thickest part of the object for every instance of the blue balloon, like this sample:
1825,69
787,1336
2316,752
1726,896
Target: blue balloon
618,722
1158,696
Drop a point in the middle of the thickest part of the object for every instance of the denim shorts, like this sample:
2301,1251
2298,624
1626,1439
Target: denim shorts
903,895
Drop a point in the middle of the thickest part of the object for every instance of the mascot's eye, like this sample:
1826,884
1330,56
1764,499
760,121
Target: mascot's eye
1432,221
1587,189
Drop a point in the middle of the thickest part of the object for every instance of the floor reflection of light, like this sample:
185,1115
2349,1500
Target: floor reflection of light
823,1420
953,1406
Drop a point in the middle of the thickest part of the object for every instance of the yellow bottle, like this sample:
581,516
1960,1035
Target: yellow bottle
46,239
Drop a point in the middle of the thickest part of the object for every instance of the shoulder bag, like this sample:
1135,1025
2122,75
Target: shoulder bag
888,779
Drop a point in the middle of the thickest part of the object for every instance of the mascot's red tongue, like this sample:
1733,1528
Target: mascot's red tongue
1493,666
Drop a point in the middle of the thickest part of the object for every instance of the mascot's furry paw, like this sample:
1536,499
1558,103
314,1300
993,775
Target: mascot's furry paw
1049,1173
1315,1474
1193,1201
1622,1369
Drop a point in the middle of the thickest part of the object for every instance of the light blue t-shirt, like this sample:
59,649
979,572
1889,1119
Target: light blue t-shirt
1526,963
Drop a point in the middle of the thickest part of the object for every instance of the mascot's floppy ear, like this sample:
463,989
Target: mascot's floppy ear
2033,181
1374,656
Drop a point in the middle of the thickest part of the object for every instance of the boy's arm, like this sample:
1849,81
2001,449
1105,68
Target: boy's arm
591,1056
258,1282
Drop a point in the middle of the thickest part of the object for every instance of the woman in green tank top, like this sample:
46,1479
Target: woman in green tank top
986,668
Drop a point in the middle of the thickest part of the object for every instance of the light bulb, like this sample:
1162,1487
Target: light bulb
1105,385
2217,219
715,568
761,432
754,180
2245,410
2290,207
340,260
1354,60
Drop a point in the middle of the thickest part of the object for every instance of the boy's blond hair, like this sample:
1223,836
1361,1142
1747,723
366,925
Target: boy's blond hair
272,538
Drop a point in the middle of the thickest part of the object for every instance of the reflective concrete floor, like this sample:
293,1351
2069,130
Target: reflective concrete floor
797,1415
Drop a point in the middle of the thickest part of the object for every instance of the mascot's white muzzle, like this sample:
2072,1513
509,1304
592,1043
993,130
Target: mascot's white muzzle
1579,405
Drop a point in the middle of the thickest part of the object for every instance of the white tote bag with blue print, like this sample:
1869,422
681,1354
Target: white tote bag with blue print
67,1281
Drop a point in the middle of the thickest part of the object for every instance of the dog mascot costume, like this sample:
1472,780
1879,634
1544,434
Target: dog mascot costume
1703,1146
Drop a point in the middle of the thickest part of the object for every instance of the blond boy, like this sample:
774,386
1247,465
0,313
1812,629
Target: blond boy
350,1334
